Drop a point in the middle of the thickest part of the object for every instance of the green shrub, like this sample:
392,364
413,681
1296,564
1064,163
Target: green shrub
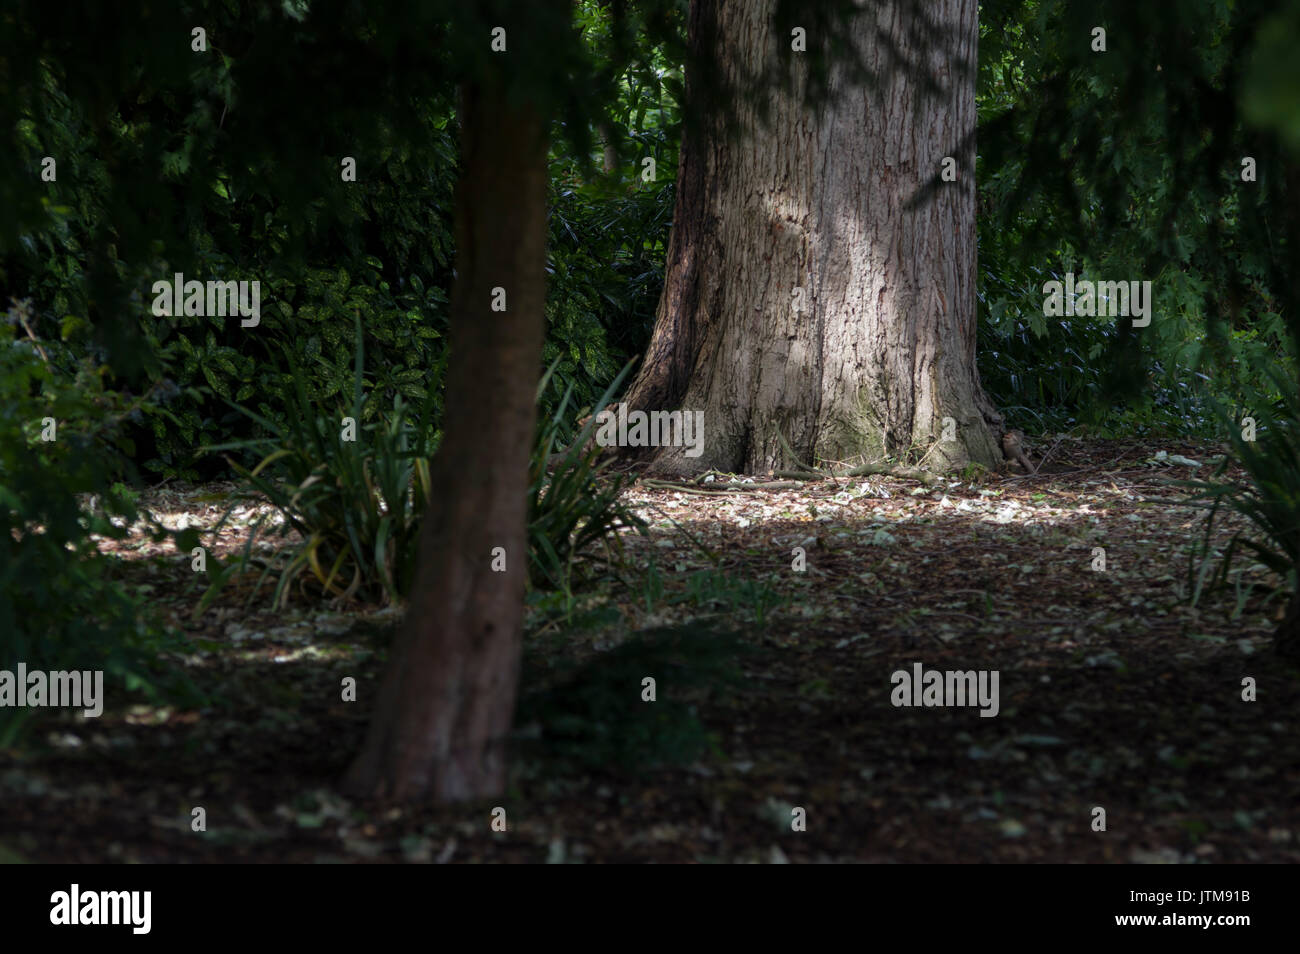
355,503
605,268
380,246
1269,499
61,606
575,504
355,506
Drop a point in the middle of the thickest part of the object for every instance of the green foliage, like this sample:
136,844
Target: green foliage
212,176
258,200
1269,498
350,510
392,266
575,504
391,263
307,321
1271,88
606,251
1103,165
62,605
714,591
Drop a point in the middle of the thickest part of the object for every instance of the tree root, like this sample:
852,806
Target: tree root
806,472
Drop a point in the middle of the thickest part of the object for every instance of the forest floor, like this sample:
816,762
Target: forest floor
773,694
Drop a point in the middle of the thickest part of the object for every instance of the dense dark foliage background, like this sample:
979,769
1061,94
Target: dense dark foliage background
1124,165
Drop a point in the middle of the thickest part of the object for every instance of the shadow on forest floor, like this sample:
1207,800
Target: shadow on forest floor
774,694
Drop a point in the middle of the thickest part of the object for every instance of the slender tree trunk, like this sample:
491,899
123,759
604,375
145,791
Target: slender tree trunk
820,282
447,698
609,155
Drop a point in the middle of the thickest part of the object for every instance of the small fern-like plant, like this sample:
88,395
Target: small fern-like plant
350,509
1269,499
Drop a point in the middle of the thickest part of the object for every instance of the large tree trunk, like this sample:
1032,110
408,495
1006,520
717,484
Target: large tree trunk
447,698
833,201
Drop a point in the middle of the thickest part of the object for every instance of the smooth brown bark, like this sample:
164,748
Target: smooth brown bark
447,698
816,290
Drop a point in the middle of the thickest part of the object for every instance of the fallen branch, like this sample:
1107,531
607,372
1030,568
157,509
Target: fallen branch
888,470
892,470
720,489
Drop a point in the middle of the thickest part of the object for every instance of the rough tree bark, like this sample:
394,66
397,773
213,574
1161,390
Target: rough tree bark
447,698
812,288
